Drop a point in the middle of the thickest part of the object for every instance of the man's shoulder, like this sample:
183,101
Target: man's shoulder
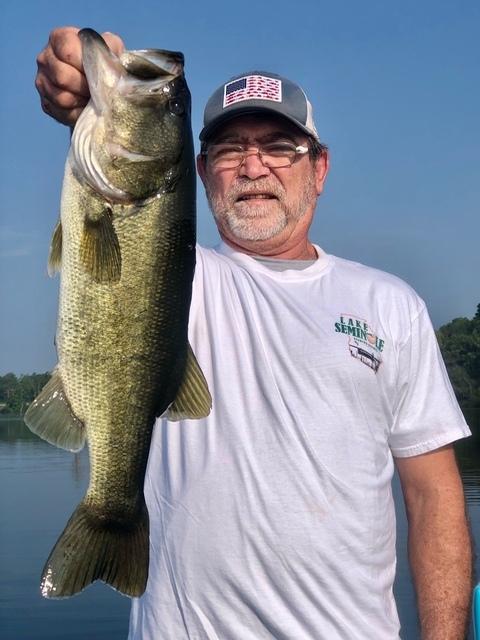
369,275
376,288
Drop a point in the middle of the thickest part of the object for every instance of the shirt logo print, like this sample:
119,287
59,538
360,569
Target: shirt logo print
363,342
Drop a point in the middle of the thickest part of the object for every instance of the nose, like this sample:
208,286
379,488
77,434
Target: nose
252,167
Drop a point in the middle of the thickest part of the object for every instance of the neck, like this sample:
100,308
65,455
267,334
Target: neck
303,250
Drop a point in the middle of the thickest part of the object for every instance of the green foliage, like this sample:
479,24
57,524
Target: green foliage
459,342
17,393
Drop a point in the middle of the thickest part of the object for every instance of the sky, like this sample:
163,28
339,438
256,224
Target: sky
396,96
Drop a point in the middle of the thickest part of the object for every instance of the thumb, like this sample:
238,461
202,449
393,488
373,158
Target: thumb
114,42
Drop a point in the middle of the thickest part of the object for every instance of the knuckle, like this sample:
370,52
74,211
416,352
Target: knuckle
39,86
63,78
41,59
64,44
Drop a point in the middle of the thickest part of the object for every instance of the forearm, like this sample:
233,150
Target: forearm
440,554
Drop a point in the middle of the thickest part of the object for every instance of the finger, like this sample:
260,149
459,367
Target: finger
67,117
64,106
60,79
65,46
61,61
114,42
56,78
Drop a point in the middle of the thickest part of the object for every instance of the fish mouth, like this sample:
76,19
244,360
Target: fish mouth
144,64
134,78
151,64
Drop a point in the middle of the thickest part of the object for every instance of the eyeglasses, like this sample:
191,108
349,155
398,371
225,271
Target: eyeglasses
273,155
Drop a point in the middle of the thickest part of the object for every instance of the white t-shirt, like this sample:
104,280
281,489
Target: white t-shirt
273,517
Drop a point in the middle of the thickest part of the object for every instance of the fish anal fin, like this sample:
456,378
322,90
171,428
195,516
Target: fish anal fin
193,399
55,253
51,417
100,249
93,548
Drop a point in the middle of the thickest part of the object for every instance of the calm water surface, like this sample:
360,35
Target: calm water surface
39,487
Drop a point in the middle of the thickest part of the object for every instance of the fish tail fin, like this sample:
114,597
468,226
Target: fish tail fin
91,549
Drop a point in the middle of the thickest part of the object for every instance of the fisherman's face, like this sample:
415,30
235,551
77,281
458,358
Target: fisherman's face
255,207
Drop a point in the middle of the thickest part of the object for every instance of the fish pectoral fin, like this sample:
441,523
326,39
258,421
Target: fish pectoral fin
55,253
100,249
193,399
51,417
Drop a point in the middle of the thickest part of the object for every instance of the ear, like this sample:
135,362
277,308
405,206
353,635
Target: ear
322,166
201,168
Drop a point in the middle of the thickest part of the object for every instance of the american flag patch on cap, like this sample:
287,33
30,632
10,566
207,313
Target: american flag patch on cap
252,88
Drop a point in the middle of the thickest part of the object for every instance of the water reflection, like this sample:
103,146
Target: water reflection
468,455
40,485
17,439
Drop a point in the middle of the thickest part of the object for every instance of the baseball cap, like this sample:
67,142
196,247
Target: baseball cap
258,91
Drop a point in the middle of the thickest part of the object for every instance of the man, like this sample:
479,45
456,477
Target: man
273,517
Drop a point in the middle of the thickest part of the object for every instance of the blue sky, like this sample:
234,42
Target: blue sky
396,96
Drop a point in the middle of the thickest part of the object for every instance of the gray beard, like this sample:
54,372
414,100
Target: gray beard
258,224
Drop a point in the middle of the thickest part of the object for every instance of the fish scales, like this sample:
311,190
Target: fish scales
126,246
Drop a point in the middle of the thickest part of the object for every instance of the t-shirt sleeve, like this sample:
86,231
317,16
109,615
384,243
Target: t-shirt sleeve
427,415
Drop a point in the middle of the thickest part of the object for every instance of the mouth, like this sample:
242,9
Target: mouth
256,196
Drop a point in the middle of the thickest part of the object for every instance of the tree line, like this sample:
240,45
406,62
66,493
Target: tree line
16,393
459,342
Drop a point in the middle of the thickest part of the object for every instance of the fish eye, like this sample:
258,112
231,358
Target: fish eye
176,107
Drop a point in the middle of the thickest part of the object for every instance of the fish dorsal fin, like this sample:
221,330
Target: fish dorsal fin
55,253
100,249
193,399
51,417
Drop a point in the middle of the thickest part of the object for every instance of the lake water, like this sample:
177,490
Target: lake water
39,487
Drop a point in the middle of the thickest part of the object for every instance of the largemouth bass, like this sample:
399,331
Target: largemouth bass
125,244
